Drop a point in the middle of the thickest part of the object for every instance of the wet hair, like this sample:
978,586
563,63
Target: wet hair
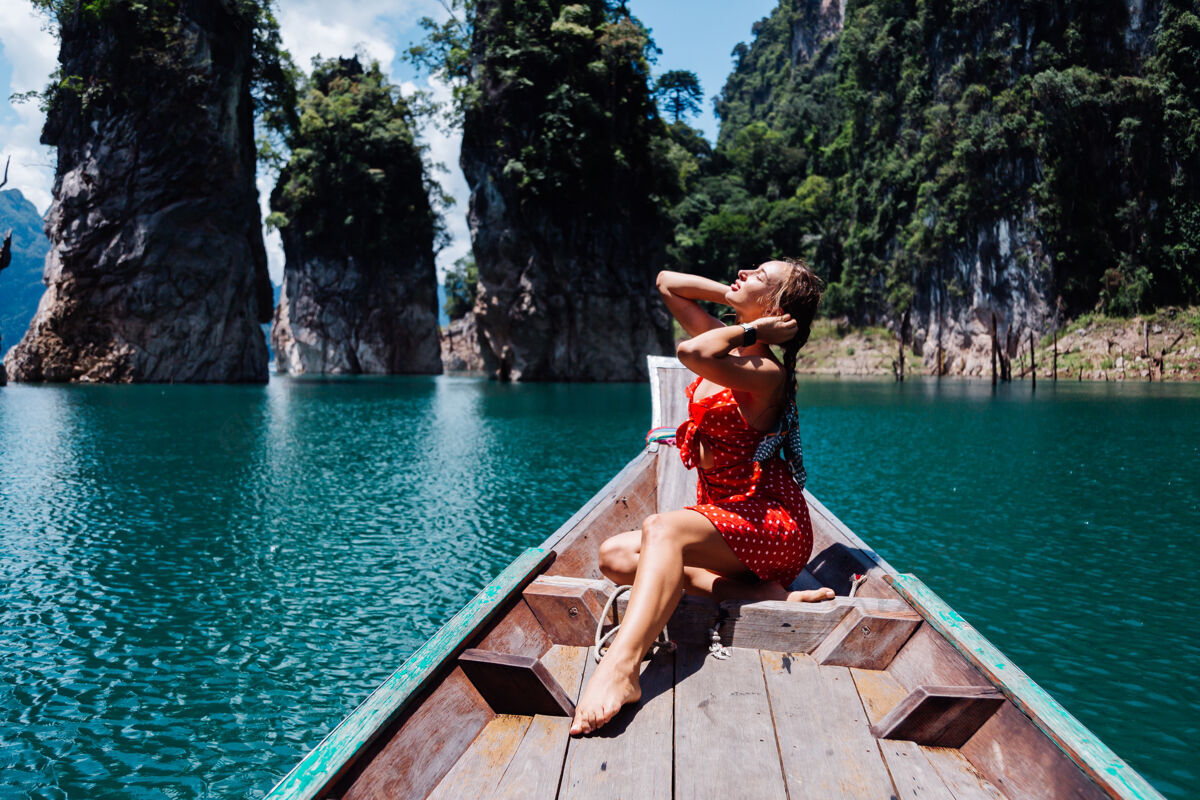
799,295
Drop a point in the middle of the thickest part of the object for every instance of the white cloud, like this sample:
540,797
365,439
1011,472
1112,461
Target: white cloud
444,148
32,52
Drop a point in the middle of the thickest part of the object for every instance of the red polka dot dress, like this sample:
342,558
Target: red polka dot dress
759,509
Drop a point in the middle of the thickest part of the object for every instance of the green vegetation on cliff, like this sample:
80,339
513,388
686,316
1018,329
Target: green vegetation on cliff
356,183
880,151
141,57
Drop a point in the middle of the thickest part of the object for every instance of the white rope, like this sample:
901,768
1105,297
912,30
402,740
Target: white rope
663,640
716,649
857,581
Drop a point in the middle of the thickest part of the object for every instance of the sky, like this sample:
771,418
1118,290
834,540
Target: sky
696,35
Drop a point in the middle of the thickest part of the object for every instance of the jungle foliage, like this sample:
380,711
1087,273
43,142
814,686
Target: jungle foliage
356,183
885,152
560,95
137,44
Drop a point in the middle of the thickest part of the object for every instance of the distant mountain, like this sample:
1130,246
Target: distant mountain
21,283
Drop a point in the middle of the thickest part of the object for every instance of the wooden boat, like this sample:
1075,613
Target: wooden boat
884,694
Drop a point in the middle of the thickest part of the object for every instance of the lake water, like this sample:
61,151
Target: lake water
197,582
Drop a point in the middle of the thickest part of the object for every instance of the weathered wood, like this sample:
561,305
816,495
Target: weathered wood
676,485
565,664
792,627
568,609
960,777
334,755
478,771
879,692
517,633
1082,746
513,684
534,772
537,768
1011,753
867,639
630,757
724,736
416,758
912,773
620,506
824,744
928,658
940,716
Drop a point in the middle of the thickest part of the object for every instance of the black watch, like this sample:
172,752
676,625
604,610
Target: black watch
751,335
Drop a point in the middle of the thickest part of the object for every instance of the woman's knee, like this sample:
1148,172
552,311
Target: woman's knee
618,555
657,529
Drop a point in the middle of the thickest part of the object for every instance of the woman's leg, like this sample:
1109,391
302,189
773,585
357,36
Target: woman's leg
669,542
619,561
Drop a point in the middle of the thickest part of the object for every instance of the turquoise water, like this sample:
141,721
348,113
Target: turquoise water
197,582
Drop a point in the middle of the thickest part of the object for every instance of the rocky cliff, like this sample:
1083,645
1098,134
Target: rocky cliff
359,290
157,270
953,167
558,151
460,346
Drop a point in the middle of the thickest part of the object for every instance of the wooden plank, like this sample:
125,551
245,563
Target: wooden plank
928,658
867,639
1082,746
620,506
1015,756
940,716
724,736
568,609
912,773
517,633
416,758
791,627
631,756
337,751
515,684
534,772
825,746
478,771
565,663
676,484
959,776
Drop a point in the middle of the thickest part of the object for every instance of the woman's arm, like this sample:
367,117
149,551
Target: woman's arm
707,355
681,291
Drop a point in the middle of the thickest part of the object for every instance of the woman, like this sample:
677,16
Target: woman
749,535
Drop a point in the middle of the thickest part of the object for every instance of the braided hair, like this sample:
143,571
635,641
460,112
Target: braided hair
798,295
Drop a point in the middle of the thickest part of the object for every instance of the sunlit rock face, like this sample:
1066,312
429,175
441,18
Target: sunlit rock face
349,316
460,346
157,270
566,233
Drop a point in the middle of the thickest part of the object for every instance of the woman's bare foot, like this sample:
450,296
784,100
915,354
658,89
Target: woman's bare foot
603,697
811,595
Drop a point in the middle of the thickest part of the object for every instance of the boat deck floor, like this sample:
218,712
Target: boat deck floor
760,724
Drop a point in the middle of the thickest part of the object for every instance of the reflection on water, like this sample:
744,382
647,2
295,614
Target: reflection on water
196,582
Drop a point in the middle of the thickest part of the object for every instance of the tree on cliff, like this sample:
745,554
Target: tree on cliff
679,91
567,162
157,270
359,230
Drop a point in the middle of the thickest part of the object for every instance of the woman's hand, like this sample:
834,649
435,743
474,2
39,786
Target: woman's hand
775,330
